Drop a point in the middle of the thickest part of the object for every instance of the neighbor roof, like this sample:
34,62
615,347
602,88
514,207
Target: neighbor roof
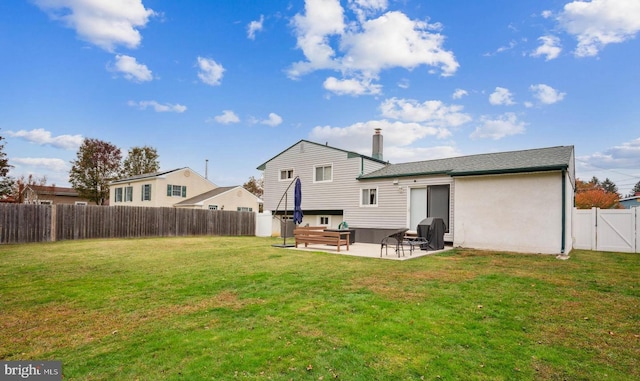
146,175
533,160
350,154
207,195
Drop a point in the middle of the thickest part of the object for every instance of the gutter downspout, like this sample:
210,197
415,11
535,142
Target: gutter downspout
564,211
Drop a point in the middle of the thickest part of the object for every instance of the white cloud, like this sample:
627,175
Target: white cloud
106,24
546,94
362,48
501,96
227,117
431,113
210,71
158,107
550,48
274,120
253,27
41,136
459,93
131,69
497,128
351,86
598,23
52,164
625,156
546,14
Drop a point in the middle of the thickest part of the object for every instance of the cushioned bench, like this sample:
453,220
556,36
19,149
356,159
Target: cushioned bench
317,235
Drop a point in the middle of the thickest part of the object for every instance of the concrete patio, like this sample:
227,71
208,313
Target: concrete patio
370,250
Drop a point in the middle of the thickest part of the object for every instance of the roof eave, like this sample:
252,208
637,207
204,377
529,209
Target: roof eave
434,173
510,171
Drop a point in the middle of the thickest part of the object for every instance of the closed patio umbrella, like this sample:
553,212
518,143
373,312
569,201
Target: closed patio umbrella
297,202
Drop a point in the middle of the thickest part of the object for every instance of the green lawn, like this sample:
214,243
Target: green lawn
237,308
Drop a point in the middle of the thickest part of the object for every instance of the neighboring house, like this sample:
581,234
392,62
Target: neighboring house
51,194
630,202
518,201
224,198
160,189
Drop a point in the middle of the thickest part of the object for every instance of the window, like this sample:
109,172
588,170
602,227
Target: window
45,202
81,203
369,197
244,209
176,191
323,173
324,220
146,192
213,207
118,194
128,194
286,174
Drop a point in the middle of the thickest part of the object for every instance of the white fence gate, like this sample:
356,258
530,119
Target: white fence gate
607,229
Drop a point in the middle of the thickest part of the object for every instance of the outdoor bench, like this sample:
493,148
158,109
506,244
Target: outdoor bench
318,235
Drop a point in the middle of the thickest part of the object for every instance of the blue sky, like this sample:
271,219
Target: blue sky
236,82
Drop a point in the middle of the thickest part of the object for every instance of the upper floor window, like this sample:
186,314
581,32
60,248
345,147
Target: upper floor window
323,173
176,191
369,197
286,174
146,192
213,207
244,209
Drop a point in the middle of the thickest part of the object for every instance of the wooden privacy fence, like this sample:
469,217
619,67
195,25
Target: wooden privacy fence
21,223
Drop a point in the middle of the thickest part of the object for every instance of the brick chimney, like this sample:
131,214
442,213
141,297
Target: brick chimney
376,151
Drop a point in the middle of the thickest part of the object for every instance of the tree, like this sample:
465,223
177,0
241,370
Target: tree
141,160
597,198
97,163
255,186
595,194
636,189
6,182
609,186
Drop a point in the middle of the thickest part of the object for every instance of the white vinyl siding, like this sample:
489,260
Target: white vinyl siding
342,193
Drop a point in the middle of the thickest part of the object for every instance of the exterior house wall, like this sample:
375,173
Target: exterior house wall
394,204
335,195
195,184
520,212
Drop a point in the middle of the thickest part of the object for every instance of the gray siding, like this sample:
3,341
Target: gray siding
303,157
393,203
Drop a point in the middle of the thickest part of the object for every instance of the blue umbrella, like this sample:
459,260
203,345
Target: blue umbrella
297,201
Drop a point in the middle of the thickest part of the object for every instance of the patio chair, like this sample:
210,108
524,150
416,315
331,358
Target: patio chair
395,239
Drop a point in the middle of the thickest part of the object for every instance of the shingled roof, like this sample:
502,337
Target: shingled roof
533,160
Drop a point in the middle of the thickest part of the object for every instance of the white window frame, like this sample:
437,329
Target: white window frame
118,195
244,209
144,192
315,172
328,220
81,203
377,197
288,172
213,207
128,194
45,202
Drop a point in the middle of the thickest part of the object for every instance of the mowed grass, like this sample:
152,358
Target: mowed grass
236,308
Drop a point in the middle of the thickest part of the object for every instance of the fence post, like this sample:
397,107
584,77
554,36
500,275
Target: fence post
53,225
594,226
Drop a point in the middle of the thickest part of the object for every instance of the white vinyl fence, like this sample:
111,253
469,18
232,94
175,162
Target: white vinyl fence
607,229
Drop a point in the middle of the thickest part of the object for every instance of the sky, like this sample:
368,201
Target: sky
224,86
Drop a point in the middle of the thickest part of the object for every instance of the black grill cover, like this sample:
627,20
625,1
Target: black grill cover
432,229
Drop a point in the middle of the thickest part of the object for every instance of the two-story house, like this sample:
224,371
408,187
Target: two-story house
518,201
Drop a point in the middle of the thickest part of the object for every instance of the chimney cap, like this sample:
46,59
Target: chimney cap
377,130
